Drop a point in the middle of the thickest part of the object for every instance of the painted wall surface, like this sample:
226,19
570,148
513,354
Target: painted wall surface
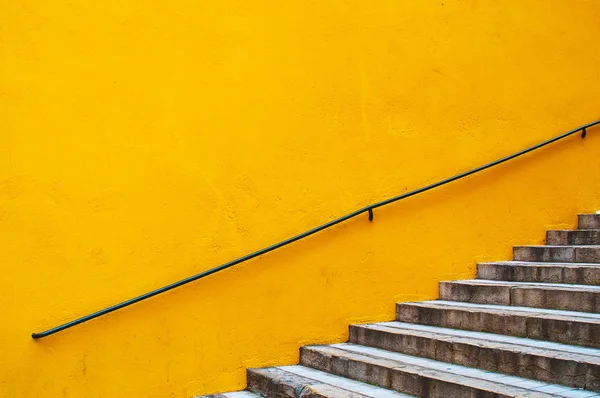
145,141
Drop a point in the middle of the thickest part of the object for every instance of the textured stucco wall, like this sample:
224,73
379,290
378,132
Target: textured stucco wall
145,141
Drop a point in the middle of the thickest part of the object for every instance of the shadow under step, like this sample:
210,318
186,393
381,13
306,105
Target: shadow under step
300,381
517,356
558,254
520,271
425,377
523,294
568,327
576,237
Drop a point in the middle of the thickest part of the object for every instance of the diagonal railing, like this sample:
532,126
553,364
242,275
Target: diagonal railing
367,209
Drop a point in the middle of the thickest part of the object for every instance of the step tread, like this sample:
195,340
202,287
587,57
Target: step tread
587,317
240,394
321,383
541,264
493,341
234,394
456,374
576,230
551,286
562,246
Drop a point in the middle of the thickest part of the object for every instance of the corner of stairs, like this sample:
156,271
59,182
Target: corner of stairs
529,327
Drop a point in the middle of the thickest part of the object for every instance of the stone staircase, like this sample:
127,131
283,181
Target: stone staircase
524,328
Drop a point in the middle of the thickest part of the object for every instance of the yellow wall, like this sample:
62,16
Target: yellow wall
144,141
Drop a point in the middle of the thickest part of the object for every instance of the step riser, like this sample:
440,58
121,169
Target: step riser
301,381
557,254
555,330
522,296
389,377
573,237
524,365
545,274
589,221
291,386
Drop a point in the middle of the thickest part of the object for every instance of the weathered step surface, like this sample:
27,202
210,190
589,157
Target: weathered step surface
237,394
577,237
583,298
519,271
300,381
558,254
589,221
567,327
425,377
534,359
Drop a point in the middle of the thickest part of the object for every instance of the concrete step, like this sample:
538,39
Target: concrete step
577,237
520,271
533,359
237,394
567,327
300,381
589,221
556,296
425,377
558,254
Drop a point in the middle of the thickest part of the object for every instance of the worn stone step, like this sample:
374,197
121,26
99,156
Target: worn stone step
589,221
556,296
425,377
558,254
236,394
533,359
520,271
577,237
567,327
300,381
